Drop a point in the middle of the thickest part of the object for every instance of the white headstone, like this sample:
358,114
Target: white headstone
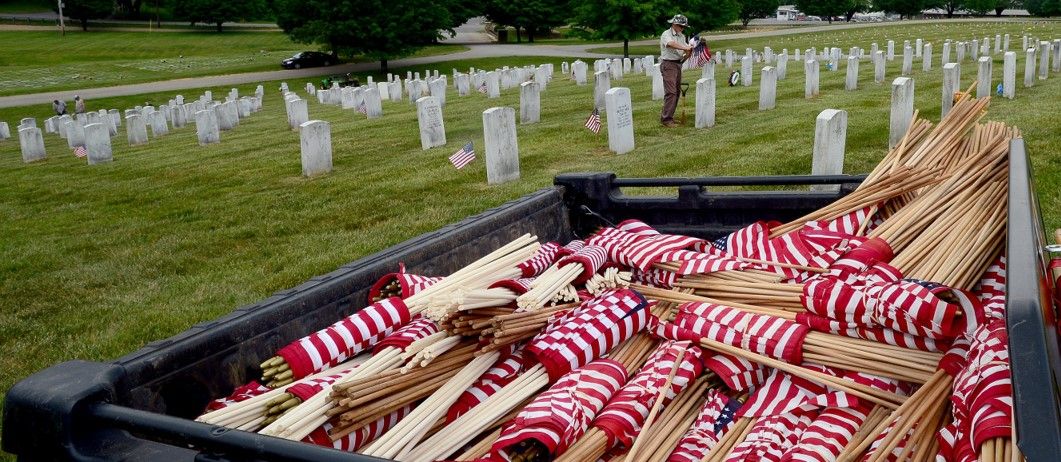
782,65
49,124
463,82
297,113
32,143
830,138
851,80
1029,67
878,67
891,50
810,88
627,65
1056,49
316,141
615,66
1044,60
432,127
1009,74
206,126
768,88
620,114
373,104
75,133
926,58
227,116
348,98
60,126
1005,43
579,68
602,82
5,131
438,90
529,103
27,122
502,150
158,124
983,77
493,85
902,109
116,117
918,47
564,68
746,71
946,53
908,61
637,67
135,129
98,143
705,103
951,84
657,83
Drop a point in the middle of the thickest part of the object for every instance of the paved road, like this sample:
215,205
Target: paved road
473,31
474,51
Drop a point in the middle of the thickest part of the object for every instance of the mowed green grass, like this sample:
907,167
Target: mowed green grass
97,261
34,62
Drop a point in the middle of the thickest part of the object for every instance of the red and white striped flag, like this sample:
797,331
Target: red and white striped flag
80,151
362,108
593,123
345,339
482,88
463,157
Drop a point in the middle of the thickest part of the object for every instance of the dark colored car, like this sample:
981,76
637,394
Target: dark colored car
308,59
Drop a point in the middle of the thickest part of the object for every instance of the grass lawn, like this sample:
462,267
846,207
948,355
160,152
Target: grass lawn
43,61
897,31
97,261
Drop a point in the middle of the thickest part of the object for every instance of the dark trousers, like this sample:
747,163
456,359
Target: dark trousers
672,82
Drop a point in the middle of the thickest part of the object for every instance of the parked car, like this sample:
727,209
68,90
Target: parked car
308,59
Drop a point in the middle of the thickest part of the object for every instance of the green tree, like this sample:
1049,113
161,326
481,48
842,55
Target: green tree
632,19
83,10
378,29
751,9
1043,8
216,12
856,6
825,8
980,7
533,16
904,8
950,6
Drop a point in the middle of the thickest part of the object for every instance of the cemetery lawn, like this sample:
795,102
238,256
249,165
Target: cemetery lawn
97,261
43,61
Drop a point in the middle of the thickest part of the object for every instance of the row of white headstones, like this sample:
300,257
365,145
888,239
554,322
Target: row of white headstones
93,130
499,127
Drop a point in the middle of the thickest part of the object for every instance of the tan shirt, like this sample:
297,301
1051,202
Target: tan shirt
671,54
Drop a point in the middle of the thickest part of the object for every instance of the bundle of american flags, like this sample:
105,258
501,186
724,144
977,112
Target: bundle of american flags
700,53
872,329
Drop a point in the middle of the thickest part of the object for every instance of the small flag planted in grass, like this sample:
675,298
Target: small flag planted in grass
362,109
593,123
80,151
482,88
463,157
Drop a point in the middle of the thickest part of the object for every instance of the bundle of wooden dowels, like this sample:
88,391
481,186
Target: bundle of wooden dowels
927,224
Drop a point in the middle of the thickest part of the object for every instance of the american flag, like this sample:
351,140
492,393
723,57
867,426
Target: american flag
463,157
80,151
593,123
362,109
701,53
482,88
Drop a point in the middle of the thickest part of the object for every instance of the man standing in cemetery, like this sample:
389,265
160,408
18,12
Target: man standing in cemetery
673,49
59,107
79,104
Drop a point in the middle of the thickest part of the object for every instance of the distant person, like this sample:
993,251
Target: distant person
59,107
673,50
79,104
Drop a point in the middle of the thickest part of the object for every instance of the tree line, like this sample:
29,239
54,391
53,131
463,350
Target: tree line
387,29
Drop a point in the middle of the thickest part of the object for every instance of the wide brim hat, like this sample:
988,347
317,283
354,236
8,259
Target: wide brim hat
679,20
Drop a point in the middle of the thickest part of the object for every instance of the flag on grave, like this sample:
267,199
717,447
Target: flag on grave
593,123
80,151
362,109
463,157
482,88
